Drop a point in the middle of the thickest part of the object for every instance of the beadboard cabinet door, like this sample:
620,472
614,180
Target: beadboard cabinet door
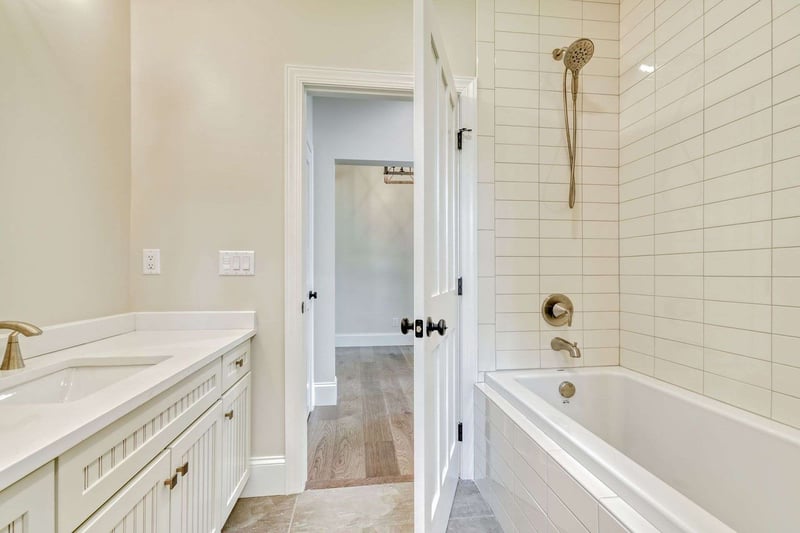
235,443
28,506
196,461
141,506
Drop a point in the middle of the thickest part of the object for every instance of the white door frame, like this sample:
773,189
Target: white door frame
300,81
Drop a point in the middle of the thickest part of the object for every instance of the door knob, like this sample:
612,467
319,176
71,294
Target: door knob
312,295
440,326
406,326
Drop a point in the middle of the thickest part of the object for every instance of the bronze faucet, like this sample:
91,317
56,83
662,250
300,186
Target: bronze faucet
12,360
559,344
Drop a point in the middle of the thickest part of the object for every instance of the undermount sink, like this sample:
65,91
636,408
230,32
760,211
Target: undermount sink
70,380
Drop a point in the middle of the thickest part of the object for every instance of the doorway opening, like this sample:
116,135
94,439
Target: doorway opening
303,84
360,424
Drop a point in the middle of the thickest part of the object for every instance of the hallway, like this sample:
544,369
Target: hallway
368,437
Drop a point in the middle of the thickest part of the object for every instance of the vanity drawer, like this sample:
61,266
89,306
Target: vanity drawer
91,472
235,364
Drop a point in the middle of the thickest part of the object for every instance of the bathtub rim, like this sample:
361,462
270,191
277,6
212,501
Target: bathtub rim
729,411
654,499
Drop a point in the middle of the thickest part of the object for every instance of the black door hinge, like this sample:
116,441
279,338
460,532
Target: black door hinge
460,286
460,432
302,308
419,328
461,135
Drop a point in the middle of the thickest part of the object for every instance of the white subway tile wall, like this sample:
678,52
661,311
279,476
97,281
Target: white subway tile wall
709,198
530,243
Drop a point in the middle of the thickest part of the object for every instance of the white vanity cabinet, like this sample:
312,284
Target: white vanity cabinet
28,506
94,470
235,443
196,466
176,464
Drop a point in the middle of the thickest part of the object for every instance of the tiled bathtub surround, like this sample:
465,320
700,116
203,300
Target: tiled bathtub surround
533,485
530,243
710,198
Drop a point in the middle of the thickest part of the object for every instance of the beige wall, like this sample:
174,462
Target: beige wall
208,134
64,159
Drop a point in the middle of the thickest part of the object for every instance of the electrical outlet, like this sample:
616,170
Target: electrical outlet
151,261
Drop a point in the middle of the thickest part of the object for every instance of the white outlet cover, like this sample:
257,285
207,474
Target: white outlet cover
151,261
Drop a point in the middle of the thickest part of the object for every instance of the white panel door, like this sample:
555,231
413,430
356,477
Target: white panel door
436,455
196,461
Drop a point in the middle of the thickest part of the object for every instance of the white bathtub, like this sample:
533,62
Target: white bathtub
682,461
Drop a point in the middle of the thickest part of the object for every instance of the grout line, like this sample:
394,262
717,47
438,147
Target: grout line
579,187
753,3
294,508
674,13
771,206
653,170
619,200
705,107
631,10
703,235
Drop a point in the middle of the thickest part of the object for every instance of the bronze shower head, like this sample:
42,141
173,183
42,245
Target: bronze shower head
575,55
578,54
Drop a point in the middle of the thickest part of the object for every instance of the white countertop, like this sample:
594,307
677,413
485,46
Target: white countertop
31,435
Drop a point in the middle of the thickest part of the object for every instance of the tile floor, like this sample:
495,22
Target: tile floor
470,512
374,509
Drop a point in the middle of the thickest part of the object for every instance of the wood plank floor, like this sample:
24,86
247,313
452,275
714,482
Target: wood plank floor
368,437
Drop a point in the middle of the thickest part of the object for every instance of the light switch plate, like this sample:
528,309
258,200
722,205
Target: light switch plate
237,263
151,261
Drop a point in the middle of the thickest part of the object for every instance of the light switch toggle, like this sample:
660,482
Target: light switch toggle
237,263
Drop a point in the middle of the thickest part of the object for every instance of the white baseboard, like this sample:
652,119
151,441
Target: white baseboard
349,340
267,477
325,392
